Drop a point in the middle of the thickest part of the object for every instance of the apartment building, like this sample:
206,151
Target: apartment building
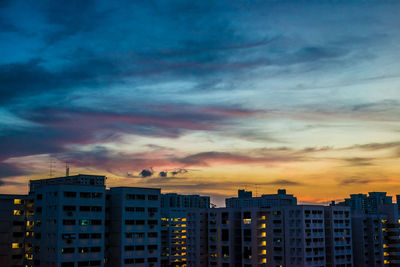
375,229
69,221
134,227
278,236
174,213
197,240
16,231
338,239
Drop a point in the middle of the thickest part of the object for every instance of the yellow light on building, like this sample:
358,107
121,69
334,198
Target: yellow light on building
18,212
385,253
264,252
18,201
16,245
247,221
263,226
29,256
263,234
263,243
264,260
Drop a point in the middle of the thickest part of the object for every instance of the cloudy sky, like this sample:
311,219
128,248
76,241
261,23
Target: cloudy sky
203,97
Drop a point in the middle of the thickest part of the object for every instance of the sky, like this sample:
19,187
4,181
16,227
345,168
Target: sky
203,97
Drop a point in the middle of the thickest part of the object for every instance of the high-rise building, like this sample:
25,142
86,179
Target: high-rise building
338,239
16,231
134,227
197,240
174,213
69,221
375,229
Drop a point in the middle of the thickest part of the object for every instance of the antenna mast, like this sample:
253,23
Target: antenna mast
66,169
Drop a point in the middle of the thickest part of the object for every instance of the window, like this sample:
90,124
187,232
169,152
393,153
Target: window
69,222
139,248
152,234
152,210
152,222
83,250
67,250
18,223
152,197
84,222
96,208
152,247
129,248
85,194
69,194
83,236
95,222
84,208
18,212
67,264
16,245
96,236
139,222
97,195
140,197
69,208
39,196
18,234
18,201
95,249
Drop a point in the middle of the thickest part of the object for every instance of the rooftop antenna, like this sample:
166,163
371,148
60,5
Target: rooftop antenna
51,167
66,169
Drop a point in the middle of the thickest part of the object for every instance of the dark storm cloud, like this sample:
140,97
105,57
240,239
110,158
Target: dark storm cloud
146,173
57,127
9,170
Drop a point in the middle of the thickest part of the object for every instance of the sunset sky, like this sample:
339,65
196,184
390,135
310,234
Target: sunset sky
205,97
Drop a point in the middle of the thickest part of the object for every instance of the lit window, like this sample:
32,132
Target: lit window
83,222
16,245
247,221
18,212
18,201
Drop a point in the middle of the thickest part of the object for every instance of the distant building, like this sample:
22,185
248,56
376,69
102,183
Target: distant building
245,200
